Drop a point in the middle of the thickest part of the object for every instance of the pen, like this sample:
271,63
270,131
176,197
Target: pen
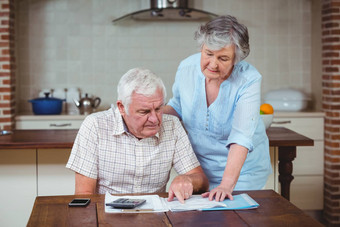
137,210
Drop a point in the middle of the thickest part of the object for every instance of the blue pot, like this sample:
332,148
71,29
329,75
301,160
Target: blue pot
47,105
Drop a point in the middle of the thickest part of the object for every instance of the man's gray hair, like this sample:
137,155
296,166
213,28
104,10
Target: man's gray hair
224,31
140,81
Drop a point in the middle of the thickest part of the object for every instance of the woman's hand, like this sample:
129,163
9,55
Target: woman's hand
219,193
236,158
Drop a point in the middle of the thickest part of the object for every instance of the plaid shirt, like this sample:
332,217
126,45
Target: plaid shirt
121,163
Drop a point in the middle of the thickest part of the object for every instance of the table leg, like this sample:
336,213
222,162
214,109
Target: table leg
286,156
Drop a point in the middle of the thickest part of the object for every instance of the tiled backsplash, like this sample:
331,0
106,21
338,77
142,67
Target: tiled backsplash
73,43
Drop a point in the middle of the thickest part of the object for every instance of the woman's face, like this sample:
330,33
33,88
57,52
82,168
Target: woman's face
217,64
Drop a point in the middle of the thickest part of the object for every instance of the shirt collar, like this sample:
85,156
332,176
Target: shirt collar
120,127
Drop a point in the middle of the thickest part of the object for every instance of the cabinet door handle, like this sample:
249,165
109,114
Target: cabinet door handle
281,122
61,125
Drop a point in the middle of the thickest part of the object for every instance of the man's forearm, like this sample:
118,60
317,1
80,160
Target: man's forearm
85,185
200,182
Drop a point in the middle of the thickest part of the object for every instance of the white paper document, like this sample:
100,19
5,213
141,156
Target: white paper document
154,203
195,202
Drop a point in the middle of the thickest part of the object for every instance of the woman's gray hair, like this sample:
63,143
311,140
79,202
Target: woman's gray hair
224,31
141,81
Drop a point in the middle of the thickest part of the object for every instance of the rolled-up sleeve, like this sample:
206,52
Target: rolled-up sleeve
246,114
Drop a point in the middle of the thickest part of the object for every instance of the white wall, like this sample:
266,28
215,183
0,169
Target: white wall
73,43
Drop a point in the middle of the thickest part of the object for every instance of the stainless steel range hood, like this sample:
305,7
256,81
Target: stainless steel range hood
168,10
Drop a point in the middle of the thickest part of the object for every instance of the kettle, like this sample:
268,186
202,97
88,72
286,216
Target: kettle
86,105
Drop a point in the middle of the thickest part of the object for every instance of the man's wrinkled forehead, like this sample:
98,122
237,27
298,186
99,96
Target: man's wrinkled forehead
145,101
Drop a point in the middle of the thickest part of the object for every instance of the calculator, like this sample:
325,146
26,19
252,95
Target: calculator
126,203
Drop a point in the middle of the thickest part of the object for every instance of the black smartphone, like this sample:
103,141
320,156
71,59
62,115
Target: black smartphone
79,202
125,203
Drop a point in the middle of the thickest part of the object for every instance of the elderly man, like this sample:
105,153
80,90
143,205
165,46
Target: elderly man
131,149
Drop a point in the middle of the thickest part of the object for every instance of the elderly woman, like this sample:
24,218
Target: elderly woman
218,95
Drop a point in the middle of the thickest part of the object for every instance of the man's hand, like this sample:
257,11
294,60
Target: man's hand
181,187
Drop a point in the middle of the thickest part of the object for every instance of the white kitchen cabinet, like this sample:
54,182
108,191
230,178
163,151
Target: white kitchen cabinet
54,122
306,191
53,177
27,173
18,185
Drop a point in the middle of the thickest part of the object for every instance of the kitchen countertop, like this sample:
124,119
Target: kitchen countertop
50,117
25,139
25,116
35,139
298,114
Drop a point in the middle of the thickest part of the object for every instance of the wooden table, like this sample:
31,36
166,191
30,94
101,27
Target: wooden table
274,210
286,140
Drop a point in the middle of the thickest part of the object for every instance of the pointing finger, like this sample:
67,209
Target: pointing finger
180,197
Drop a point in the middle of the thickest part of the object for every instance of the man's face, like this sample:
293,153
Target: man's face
145,114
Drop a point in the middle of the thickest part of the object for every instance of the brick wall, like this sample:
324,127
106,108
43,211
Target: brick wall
331,107
7,65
